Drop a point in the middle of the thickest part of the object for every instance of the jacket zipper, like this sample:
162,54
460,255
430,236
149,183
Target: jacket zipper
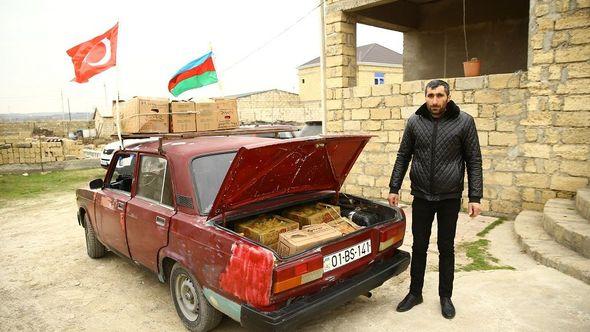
432,154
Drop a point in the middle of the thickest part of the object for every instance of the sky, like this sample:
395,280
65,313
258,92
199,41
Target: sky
156,38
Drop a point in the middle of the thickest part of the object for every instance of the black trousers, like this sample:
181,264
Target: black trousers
447,212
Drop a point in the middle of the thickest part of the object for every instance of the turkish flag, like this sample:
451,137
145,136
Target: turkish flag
94,56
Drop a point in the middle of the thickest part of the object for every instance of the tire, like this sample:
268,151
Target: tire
94,248
192,307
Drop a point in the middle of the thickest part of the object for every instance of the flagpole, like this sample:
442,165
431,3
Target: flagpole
219,84
118,97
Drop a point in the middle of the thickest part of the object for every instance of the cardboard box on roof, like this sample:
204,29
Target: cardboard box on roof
206,116
344,225
182,116
298,240
228,113
265,229
144,115
313,214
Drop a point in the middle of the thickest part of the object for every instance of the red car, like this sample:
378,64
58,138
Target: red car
171,206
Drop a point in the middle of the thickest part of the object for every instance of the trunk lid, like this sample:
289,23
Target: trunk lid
264,171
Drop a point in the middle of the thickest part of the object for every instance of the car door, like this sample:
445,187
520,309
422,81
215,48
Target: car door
150,210
112,202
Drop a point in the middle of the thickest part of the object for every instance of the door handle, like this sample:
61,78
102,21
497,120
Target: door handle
160,221
121,205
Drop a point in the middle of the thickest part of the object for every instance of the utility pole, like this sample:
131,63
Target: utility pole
323,68
63,112
69,116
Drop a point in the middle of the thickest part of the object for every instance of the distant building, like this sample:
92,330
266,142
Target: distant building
273,106
104,122
376,65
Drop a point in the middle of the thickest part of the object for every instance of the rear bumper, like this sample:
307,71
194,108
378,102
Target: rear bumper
292,315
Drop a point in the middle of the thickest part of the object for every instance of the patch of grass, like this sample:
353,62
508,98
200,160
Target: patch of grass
477,251
17,186
491,226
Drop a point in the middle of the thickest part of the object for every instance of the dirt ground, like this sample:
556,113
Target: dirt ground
48,283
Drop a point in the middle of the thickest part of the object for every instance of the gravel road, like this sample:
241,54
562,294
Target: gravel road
48,283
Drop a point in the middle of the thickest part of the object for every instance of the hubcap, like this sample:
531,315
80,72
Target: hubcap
186,297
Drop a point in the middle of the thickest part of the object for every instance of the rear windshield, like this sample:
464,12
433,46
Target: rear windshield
208,173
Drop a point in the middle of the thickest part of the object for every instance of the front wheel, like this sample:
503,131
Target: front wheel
94,248
191,305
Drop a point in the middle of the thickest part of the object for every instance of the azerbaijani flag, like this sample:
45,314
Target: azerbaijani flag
193,75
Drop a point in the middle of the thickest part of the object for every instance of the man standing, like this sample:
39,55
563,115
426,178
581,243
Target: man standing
442,142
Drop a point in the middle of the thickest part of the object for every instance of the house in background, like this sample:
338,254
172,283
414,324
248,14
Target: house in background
104,122
376,65
273,106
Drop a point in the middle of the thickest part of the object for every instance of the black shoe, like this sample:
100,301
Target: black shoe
447,308
409,302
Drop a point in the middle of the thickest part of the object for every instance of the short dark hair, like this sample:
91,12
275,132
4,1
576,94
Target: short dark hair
435,84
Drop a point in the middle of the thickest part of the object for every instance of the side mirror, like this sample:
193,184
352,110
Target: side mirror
96,184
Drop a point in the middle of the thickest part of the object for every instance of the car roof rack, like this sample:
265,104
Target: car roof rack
241,131
222,132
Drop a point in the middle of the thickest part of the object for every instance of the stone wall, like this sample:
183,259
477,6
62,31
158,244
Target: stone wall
33,151
25,129
534,126
275,106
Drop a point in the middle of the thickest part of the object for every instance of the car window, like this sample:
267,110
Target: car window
311,129
154,180
208,173
122,176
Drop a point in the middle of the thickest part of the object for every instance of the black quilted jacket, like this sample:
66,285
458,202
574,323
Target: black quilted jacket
440,150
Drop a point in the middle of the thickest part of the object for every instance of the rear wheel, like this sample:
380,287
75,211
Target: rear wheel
94,248
191,305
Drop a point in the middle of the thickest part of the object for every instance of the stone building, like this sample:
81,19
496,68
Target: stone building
104,122
376,65
531,104
274,106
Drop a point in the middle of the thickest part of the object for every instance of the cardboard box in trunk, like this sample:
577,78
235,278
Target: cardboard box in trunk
344,225
313,214
207,116
273,246
144,115
182,115
265,229
227,113
309,236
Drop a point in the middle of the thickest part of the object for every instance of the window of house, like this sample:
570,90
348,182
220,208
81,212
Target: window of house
303,80
379,78
122,176
154,180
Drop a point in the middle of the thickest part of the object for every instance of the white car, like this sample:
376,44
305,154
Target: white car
109,150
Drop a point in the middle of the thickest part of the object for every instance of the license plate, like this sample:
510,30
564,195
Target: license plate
348,255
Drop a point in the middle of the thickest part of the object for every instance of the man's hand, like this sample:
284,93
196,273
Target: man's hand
393,199
474,209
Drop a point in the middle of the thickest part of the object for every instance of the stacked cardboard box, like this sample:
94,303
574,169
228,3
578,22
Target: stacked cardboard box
207,117
265,229
182,117
227,110
156,115
144,115
313,214
309,236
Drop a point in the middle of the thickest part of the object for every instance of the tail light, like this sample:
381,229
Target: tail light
298,273
390,235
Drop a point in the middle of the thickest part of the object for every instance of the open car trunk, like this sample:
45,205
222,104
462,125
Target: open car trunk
363,213
271,180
